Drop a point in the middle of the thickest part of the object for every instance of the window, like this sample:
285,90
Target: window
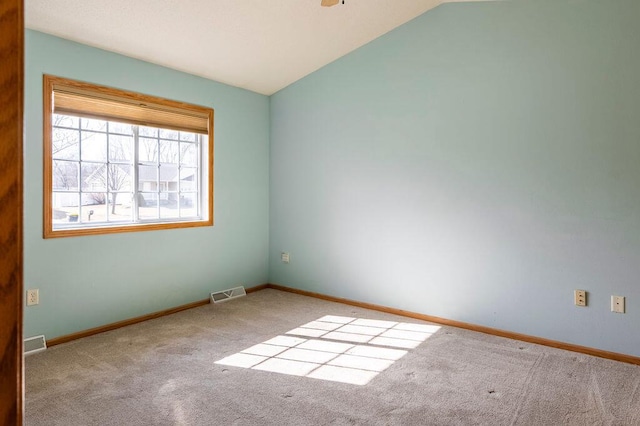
117,161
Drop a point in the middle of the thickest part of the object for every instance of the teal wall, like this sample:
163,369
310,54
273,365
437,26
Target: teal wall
478,164
90,281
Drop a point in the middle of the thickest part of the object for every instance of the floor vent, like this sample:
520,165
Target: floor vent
224,295
34,345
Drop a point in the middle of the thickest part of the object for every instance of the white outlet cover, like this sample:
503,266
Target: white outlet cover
285,257
33,297
617,304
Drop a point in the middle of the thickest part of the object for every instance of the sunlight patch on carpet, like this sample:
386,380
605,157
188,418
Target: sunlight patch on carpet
335,348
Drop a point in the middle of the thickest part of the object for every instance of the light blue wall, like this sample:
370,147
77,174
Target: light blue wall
89,281
478,164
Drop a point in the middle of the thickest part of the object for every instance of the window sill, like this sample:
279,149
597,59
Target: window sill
117,229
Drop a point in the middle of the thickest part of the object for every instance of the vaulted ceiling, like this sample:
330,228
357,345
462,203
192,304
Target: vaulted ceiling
259,45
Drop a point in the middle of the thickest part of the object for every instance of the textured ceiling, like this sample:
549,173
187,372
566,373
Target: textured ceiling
260,45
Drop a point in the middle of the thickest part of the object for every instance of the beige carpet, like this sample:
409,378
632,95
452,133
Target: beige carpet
181,370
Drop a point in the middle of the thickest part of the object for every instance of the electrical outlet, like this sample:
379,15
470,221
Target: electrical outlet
284,257
33,297
617,304
580,297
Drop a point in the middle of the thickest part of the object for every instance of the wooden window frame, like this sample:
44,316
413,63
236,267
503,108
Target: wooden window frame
89,100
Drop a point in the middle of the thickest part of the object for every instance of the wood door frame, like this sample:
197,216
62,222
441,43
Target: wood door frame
11,210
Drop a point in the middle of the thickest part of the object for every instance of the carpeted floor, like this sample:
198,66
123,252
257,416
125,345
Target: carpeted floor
206,366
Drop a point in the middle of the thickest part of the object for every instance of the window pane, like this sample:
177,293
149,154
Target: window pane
168,178
148,131
94,208
169,212
169,152
120,148
93,177
122,128
169,205
65,144
169,134
66,121
119,205
118,177
65,175
91,124
65,207
94,146
188,179
148,150
148,205
189,154
185,136
147,178
188,205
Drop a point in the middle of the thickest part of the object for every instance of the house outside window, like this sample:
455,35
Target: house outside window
121,169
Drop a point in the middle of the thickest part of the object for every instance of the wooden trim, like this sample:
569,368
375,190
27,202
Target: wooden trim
257,288
11,210
459,324
210,166
47,135
473,327
124,323
134,227
115,325
52,84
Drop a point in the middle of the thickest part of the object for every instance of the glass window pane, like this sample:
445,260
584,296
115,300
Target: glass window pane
148,131
169,205
65,207
168,178
186,136
94,207
169,134
189,154
169,152
148,205
122,128
118,177
66,121
94,146
188,205
120,148
148,178
65,144
91,124
93,177
65,175
148,150
169,212
188,179
119,205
